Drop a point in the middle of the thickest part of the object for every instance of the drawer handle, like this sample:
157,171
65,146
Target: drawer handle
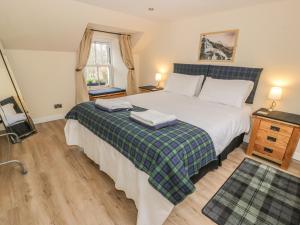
272,139
269,150
274,128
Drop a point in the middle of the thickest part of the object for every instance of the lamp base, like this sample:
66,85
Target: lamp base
272,106
157,85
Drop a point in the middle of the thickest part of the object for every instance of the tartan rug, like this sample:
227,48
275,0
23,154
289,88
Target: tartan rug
256,194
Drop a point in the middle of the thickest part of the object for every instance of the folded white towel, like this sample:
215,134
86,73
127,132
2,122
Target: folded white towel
111,104
152,117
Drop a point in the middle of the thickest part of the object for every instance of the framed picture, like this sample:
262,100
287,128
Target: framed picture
218,46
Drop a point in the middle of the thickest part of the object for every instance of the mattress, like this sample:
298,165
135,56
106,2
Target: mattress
222,122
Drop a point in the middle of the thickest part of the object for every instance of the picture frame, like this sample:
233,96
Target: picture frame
218,46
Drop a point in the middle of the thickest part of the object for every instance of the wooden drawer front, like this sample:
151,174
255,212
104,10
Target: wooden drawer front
276,128
273,152
265,137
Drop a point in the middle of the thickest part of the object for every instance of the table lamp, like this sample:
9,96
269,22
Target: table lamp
158,79
275,94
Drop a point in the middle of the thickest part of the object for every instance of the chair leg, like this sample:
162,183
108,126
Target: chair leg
17,162
23,169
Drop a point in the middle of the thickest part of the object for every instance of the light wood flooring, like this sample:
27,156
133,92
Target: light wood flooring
64,187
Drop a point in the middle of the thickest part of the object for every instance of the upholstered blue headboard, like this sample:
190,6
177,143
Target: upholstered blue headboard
222,72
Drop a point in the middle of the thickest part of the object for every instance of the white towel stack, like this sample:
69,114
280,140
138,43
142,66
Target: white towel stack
113,105
152,118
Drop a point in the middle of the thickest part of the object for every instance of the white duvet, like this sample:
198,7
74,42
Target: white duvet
221,122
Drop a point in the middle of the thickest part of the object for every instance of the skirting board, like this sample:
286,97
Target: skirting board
46,119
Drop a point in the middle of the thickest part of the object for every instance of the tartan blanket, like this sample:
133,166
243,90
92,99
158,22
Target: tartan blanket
256,194
170,156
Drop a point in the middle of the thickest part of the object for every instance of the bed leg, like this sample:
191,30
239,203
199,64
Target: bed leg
220,161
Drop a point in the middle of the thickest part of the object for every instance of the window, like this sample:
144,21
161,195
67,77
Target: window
98,71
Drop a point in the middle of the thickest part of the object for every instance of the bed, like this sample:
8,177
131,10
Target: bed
225,125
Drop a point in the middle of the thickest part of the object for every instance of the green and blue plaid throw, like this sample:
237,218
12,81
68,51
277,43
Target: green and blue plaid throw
170,156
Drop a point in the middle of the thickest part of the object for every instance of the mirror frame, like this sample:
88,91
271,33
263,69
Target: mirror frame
16,89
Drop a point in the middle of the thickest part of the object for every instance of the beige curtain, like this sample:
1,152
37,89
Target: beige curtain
82,58
126,52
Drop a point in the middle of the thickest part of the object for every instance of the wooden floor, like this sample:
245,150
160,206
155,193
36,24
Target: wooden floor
64,187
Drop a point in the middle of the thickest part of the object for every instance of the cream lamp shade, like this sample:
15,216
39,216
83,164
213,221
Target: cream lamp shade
275,93
158,77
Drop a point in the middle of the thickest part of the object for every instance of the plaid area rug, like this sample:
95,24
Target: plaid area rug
256,194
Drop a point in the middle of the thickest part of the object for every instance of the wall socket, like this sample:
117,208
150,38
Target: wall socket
57,106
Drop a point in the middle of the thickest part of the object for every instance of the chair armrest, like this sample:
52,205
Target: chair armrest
18,140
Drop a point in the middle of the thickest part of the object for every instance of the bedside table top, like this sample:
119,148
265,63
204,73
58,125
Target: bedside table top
278,115
151,88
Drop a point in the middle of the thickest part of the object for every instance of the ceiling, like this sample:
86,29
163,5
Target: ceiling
58,25
172,9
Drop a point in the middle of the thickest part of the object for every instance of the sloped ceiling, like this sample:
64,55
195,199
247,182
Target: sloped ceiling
168,10
58,25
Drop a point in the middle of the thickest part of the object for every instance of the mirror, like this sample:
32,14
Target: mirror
14,117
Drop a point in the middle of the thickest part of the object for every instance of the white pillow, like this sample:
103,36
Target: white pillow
228,92
184,84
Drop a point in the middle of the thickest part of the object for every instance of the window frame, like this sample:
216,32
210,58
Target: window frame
98,66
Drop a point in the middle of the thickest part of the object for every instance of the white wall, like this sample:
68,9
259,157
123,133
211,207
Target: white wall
45,78
42,51
6,87
269,38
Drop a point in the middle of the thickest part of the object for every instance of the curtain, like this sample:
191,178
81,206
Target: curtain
126,52
82,58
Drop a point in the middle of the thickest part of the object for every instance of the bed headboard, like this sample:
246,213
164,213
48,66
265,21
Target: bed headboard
222,72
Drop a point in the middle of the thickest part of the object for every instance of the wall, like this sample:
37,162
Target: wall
42,51
6,87
269,38
45,78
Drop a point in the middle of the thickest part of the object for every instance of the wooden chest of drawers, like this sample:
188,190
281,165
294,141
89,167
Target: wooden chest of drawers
273,139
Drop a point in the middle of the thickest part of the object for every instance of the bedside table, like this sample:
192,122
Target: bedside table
274,136
149,88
